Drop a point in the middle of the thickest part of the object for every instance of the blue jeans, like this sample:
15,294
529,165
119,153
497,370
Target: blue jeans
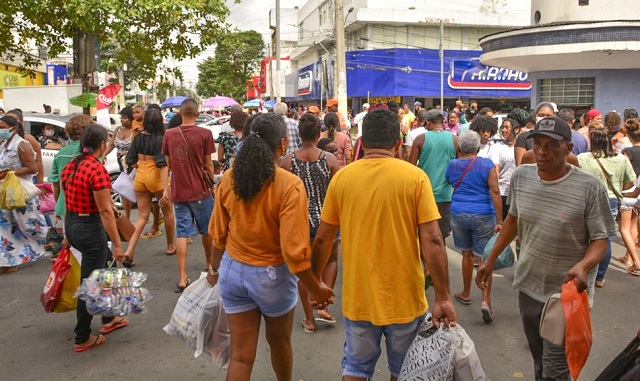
471,231
604,264
192,216
362,346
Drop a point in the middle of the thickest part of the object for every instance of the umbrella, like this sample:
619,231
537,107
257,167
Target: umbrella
173,102
216,102
84,100
256,103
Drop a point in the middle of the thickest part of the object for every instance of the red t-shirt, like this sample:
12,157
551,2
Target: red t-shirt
90,176
186,177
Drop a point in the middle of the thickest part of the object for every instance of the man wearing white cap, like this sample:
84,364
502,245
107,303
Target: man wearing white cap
358,119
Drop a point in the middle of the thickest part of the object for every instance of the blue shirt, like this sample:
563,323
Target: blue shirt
580,143
472,195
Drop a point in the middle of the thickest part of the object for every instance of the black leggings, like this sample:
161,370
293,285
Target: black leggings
87,234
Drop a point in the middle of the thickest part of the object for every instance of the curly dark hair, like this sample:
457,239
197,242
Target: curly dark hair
331,121
255,161
380,129
484,123
237,120
309,127
248,123
611,120
519,115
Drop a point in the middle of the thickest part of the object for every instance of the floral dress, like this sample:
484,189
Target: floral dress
229,142
23,230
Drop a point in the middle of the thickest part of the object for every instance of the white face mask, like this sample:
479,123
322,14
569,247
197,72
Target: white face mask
48,133
538,118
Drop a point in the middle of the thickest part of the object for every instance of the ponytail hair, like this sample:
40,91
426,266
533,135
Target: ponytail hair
331,121
255,162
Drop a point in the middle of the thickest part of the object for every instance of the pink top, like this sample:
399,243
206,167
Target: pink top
343,143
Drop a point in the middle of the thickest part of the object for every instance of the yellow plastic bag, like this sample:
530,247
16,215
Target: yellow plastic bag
12,195
68,302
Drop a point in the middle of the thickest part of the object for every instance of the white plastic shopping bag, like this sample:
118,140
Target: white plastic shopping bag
124,185
431,354
466,363
192,317
218,345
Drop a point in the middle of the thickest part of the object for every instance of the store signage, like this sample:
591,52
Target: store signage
471,74
305,82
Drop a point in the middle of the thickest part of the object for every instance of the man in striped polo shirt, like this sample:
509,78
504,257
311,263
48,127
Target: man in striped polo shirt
562,216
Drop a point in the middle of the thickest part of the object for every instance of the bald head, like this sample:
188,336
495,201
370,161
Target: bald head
235,108
189,108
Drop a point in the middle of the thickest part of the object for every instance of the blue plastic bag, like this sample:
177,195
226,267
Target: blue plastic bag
505,259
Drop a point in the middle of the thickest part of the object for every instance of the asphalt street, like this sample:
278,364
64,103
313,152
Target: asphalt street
38,346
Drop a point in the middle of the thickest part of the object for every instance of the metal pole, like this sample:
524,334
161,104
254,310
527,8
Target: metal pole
121,83
341,65
277,77
441,65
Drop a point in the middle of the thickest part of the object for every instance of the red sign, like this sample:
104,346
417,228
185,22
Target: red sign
253,87
106,96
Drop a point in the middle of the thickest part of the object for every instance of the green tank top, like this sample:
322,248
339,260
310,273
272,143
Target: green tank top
438,149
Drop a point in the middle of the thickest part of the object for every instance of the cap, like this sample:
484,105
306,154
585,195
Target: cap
417,104
435,114
553,127
366,106
314,109
555,106
332,102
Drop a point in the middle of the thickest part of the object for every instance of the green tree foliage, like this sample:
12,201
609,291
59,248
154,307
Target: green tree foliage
140,32
237,57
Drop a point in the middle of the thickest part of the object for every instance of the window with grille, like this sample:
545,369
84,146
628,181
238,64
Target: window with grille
568,91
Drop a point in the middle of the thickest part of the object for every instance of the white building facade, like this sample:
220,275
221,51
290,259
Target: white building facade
404,36
578,56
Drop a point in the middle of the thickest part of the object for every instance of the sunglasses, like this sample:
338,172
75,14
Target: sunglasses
332,150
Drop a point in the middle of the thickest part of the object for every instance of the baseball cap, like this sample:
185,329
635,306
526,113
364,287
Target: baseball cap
417,104
434,114
553,127
313,109
366,106
332,102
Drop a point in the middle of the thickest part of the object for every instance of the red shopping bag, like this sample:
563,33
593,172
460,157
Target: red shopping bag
51,292
578,338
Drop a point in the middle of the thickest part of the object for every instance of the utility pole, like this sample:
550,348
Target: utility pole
340,68
441,64
277,77
121,83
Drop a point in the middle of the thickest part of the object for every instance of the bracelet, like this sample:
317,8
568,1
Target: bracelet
213,271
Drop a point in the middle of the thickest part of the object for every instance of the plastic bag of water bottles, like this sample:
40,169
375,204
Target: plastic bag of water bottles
114,292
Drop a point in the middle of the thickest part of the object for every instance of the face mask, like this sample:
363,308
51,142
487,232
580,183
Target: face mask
538,118
5,133
48,133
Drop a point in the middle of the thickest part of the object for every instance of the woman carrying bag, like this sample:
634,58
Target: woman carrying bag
90,222
27,243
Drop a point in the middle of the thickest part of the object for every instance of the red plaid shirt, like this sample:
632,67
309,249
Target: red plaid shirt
90,176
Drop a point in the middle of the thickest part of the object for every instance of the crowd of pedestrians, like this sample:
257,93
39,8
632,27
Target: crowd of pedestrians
387,188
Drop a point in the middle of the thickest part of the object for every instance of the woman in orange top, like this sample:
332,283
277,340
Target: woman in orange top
260,231
343,142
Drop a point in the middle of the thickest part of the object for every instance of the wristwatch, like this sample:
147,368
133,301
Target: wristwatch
213,271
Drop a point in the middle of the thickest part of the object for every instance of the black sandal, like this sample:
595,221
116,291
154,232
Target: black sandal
128,263
180,289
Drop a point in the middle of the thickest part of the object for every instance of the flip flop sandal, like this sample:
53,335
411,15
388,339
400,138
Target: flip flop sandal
7,270
487,315
172,253
128,263
120,324
98,342
330,319
180,289
307,330
621,260
466,302
633,271
149,235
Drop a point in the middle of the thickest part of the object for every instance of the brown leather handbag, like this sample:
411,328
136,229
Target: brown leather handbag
125,227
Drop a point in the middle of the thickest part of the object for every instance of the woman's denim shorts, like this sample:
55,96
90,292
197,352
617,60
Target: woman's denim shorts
273,290
471,232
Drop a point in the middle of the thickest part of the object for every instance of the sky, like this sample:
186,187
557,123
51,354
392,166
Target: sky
248,15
